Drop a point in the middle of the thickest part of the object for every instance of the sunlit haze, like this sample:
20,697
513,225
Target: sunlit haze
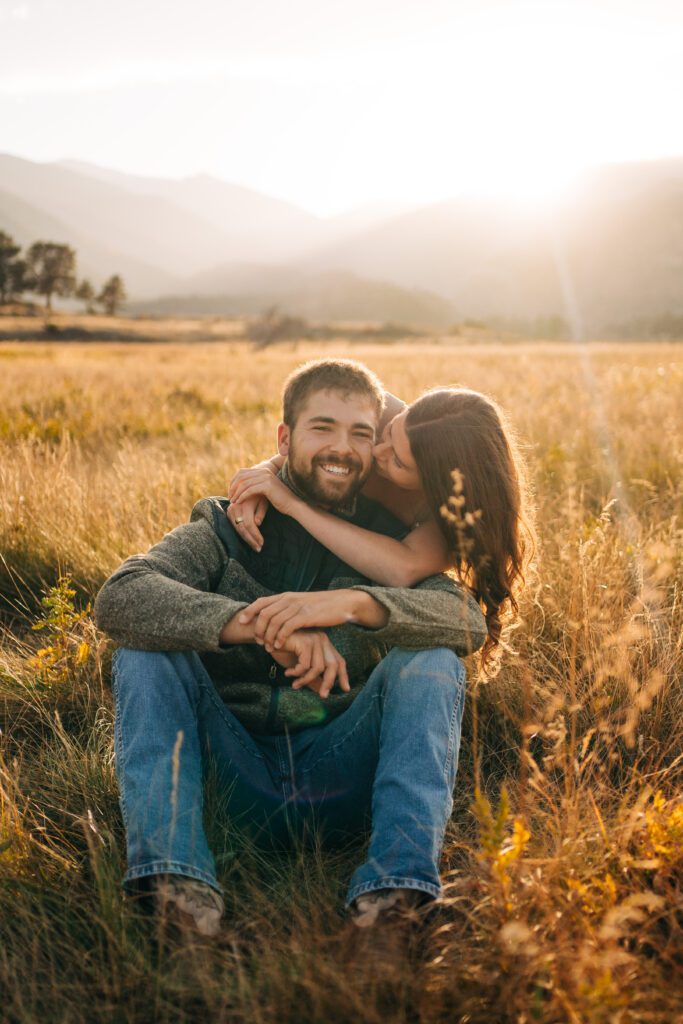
338,104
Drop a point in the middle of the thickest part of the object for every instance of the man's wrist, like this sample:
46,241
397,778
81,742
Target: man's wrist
234,632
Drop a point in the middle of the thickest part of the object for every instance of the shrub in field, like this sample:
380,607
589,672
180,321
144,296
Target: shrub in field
275,326
65,650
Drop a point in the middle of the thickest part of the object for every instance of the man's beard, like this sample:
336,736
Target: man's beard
319,488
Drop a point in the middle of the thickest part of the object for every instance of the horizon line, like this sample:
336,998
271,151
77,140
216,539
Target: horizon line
409,204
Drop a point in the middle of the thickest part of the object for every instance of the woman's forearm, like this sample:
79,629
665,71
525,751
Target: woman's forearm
393,563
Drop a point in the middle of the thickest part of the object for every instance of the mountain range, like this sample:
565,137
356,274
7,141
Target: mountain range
610,252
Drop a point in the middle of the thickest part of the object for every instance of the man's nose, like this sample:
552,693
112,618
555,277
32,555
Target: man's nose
341,443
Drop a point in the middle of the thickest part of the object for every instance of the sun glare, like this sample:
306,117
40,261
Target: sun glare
526,184
485,97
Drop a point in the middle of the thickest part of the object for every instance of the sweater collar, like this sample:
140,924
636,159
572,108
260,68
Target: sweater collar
347,511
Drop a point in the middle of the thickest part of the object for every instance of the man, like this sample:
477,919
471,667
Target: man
358,717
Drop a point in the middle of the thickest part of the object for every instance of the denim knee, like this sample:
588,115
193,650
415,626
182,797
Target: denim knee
143,669
438,663
130,664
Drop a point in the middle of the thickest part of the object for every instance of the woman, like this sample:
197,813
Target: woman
448,467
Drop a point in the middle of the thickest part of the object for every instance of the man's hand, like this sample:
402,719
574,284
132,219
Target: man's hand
312,660
308,656
274,619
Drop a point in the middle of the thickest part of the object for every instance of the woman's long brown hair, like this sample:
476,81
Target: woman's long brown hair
474,481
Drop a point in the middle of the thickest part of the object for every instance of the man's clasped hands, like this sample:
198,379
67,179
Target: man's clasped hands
290,626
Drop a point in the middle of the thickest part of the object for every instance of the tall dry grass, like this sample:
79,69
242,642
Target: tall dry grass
563,877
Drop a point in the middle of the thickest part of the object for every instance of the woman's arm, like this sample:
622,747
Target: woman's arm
393,563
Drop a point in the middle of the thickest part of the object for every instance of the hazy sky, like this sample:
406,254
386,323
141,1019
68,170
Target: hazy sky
334,103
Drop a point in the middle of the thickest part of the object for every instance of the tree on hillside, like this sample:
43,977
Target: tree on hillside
86,294
12,269
113,295
51,270
18,279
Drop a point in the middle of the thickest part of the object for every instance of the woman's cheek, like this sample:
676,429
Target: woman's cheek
380,468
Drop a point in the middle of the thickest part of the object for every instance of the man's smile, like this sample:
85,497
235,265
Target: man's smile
340,469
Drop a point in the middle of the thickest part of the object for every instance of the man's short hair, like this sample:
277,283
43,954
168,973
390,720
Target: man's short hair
343,375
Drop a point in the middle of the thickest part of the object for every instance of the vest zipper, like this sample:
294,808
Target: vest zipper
274,699
272,672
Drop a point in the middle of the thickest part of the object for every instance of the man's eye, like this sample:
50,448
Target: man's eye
321,429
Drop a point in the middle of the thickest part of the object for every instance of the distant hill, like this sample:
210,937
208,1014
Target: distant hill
616,243
612,252
252,225
27,223
147,227
321,297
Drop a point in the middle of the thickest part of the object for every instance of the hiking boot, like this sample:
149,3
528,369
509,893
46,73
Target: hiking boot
383,931
191,905
385,905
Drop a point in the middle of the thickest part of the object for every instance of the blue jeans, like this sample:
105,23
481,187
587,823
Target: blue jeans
389,761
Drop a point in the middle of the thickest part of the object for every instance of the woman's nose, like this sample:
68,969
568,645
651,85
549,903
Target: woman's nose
379,449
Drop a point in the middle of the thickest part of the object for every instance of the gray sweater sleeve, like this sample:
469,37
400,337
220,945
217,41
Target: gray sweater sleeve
163,601
437,612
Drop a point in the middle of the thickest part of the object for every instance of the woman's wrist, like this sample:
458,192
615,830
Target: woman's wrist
367,611
297,508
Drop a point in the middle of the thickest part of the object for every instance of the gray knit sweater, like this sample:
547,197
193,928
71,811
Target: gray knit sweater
180,594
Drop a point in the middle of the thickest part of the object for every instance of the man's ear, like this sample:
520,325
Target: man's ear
283,439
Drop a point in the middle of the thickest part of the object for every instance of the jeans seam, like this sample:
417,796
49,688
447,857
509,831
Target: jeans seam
347,736
118,745
451,731
288,763
220,707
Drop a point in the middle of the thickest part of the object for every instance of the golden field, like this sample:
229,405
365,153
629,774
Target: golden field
564,880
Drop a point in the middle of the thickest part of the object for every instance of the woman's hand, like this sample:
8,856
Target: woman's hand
276,618
261,483
247,516
246,519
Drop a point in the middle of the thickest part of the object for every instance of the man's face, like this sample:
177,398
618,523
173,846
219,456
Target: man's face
329,449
